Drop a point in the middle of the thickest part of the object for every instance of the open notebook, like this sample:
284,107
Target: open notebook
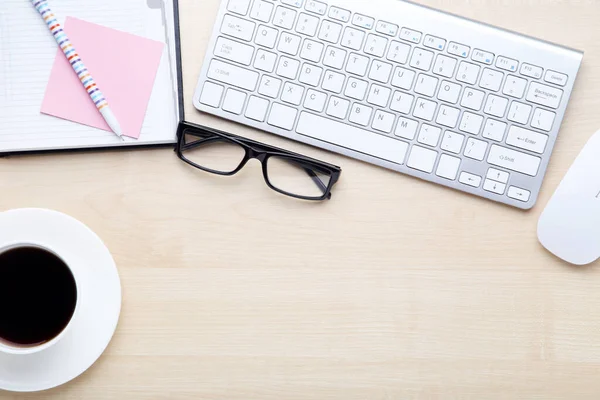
27,53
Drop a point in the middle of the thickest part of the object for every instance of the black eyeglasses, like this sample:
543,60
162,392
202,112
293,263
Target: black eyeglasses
288,173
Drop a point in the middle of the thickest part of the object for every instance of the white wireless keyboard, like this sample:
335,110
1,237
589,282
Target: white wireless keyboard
406,87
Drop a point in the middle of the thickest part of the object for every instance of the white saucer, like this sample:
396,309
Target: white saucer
99,297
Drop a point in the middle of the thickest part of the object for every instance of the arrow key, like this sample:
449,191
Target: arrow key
494,187
469,179
497,175
519,194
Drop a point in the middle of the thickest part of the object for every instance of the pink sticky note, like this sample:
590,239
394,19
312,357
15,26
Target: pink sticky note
124,67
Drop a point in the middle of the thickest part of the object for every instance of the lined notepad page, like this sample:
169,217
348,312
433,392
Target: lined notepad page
27,52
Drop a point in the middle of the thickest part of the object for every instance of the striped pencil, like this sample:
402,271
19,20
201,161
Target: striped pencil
82,72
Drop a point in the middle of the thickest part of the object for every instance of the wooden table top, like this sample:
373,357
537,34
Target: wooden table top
394,289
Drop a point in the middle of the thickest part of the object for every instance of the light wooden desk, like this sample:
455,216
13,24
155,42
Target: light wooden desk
395,289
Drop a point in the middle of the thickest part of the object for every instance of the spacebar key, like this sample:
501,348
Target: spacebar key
352,138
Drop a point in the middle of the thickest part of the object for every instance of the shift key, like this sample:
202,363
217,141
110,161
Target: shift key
514,160
232,75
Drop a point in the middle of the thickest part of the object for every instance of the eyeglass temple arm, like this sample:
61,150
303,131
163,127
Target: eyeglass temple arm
315,179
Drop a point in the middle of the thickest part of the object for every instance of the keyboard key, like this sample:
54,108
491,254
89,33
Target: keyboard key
284,17
315,100
376,45
353,38
544,95
482,56
363,21
211,94
234,51
316,7
471,123
458,49
514,160
293,3
403,78
334,57
469,179
288,67
507,64
556,78
494,187
339,14
422,159
472,99
238,6
311,50
444,66
333,82
380,71
262,10
452,142
526,139
421,59
532,71
234,101
257,108
497,175
426,85
310,75
402,102
292,93
398,52
360,114
289,44
351,137
387,28
269,86
429,135
543,119
518,194
237,27
307,24
356,89
379,95
265,61
282,116
449,92
494,130
410,35
425,109
519,112
232,75
496,106
514,86
357,64
338,107
448,116
491,79
266,36
406,128
468,73
383,121
434,42
448,167
475,149
330,32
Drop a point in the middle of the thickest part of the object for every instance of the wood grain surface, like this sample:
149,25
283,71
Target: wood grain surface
394,289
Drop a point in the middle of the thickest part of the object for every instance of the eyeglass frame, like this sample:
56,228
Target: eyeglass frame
261,152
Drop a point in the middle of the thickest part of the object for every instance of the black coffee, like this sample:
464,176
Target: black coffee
38,295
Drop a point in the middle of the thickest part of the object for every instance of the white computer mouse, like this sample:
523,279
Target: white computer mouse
569,227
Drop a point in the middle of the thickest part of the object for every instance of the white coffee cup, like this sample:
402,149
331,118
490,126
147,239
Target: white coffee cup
15,349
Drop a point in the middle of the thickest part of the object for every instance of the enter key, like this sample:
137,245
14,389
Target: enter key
526,139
